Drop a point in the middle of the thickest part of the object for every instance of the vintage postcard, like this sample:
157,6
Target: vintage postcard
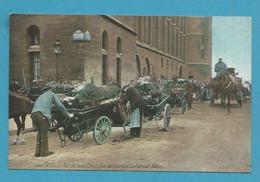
129,90
130,93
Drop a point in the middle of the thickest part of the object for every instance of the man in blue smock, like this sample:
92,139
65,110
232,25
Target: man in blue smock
41,117
220,67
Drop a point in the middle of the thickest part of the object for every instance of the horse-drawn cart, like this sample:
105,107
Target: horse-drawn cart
162,110
179,100
226,87
158,111
99,119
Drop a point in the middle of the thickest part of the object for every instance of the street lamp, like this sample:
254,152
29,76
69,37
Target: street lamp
57,52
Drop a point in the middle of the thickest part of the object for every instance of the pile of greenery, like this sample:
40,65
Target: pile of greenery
90,95
110,92
87,94
168,85
145,89
60,87
82,94
151,92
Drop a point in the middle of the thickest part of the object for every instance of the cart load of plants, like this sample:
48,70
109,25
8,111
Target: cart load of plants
150,90
61,87
79,94
168,85
88,94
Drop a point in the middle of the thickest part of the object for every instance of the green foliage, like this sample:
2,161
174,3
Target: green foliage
92,95
144,88
59,87
111,92
168,85
89,93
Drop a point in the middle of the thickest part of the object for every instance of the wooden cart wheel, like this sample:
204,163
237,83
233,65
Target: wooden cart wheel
167,117
76,135
102,130
183,106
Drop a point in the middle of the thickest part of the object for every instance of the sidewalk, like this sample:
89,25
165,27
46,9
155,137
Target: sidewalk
12,126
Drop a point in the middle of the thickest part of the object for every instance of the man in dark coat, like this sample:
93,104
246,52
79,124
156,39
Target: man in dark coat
220,67
135,98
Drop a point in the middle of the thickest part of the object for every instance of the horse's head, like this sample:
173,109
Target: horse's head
225,81
14,85
122,95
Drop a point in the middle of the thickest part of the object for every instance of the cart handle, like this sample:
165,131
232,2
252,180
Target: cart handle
159,103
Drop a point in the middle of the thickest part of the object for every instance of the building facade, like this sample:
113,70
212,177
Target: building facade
120,48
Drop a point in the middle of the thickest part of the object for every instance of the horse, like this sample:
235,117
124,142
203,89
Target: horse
214,90
229,90
20,104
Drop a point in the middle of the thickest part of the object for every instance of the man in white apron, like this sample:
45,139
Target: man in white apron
135,99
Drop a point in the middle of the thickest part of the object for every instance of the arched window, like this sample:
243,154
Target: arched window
104,58
104,69
119,45
118,71
138,65
33,35
118,60
33,39
144,71
148,66
180,72
104,40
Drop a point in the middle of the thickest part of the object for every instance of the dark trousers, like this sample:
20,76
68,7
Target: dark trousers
135,132
42,125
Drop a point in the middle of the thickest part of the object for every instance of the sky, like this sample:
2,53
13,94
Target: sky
231,40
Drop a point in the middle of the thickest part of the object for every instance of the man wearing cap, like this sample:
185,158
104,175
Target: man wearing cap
220,67
41,117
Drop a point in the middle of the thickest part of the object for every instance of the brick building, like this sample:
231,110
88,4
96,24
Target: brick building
120,48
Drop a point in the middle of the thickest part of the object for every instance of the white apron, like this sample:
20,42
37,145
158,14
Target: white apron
135,118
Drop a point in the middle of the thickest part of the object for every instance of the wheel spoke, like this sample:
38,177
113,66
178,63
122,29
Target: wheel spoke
99,125
98,128
103,136
106,133
106,124
97,131
100,137
103,121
